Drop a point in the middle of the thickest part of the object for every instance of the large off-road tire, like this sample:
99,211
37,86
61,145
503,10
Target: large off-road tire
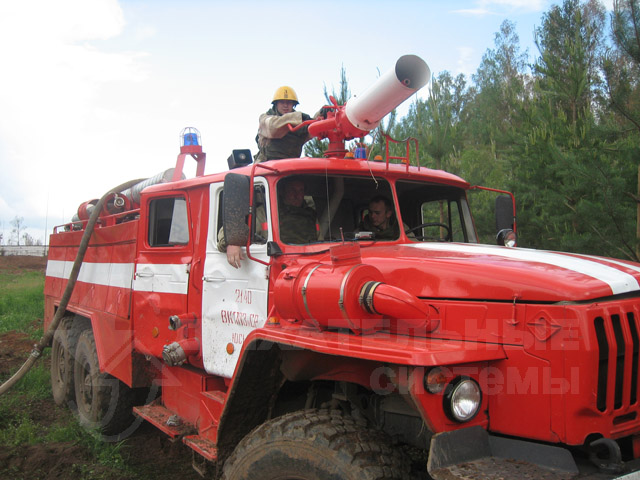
315,445
63,350
103,401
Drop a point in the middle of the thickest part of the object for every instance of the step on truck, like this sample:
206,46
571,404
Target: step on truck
420,354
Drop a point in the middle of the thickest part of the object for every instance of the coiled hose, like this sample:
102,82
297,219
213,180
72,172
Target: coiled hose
45,341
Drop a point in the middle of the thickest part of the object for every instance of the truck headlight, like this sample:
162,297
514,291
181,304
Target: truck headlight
463,399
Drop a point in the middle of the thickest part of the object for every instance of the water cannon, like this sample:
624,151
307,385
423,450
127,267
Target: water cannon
362,114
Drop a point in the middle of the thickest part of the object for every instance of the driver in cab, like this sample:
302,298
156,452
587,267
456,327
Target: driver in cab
381,220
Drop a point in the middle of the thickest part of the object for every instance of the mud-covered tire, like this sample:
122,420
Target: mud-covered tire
63,347
103,402
315,445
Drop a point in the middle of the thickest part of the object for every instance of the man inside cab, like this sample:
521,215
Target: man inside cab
381,220
297,220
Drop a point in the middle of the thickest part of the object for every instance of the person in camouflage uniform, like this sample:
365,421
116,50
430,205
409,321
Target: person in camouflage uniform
298,221
275,140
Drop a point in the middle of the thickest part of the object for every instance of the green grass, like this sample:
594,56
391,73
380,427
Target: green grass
16,426
22,303
22,310
36,383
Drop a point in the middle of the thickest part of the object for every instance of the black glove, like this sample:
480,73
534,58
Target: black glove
305,117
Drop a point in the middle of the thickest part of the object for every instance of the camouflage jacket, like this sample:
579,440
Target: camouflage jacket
298,225
275,140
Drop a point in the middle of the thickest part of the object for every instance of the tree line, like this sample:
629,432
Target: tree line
18,234
561,131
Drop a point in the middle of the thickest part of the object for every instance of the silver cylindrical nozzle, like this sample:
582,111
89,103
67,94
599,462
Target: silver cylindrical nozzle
410,74
173,354
133,193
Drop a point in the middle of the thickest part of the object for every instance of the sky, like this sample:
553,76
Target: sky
94,93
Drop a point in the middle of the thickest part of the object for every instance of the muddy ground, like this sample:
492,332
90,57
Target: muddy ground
16,263
147,453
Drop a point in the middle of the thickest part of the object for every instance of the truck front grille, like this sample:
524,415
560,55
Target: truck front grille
618,347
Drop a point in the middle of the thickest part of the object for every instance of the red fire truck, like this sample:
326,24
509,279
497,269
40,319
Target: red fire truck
352,356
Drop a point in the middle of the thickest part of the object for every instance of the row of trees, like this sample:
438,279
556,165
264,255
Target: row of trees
18,235
562,131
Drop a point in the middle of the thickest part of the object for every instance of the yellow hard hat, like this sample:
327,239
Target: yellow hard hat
285,93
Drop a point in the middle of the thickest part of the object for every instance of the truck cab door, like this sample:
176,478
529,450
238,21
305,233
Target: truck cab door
234,301
161,278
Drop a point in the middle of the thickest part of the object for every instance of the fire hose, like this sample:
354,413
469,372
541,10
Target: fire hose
45,341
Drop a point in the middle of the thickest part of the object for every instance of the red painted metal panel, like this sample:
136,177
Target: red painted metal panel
114,346
102,293
151,323
181,389
151,309
381,346
520,396
462,274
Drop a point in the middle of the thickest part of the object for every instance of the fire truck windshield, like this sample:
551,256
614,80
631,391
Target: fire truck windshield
321,208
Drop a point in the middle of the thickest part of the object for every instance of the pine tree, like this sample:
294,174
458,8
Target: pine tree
622,71
435,122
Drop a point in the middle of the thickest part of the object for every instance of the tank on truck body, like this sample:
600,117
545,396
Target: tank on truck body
425,345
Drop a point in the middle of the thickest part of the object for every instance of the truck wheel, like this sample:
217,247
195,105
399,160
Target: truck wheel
63,349
315,445
103,401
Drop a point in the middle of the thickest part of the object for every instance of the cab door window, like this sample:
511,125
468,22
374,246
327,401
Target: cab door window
168,222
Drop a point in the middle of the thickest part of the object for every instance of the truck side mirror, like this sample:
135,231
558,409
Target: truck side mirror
505,219
235,209
504,213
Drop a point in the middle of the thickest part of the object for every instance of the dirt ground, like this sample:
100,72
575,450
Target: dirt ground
16,263
148,453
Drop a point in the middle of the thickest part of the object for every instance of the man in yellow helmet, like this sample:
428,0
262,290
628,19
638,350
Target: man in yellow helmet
275,139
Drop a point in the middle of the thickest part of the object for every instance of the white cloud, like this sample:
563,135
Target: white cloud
51,96
145,32
474,12
502,7
523,5
60,21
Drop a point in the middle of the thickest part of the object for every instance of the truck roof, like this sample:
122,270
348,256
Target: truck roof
333,166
